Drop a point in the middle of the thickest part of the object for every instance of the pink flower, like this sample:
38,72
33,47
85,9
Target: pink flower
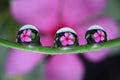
19,62
99,36
64,67
67,39
49,16
25,36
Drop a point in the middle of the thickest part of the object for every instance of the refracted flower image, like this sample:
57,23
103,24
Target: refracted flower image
96,34
26,36
99,36
67,39
49,16
29,35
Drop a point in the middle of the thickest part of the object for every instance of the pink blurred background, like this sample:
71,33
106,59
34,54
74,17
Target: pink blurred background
49,16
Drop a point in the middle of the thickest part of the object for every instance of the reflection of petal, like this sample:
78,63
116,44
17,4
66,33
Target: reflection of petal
95,35
71,36
64,43
70,42
99,31
22,40
102,33
97,39
21,36
27,39
24,32
66,34
62,38
29,32
102,38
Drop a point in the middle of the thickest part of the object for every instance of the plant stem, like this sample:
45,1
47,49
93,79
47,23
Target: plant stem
64,50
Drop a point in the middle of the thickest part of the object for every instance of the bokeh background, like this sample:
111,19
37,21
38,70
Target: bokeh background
109,69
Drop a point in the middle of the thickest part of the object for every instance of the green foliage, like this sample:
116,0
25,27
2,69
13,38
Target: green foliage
4,5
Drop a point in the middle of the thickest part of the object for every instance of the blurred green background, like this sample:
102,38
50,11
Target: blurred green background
9,27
